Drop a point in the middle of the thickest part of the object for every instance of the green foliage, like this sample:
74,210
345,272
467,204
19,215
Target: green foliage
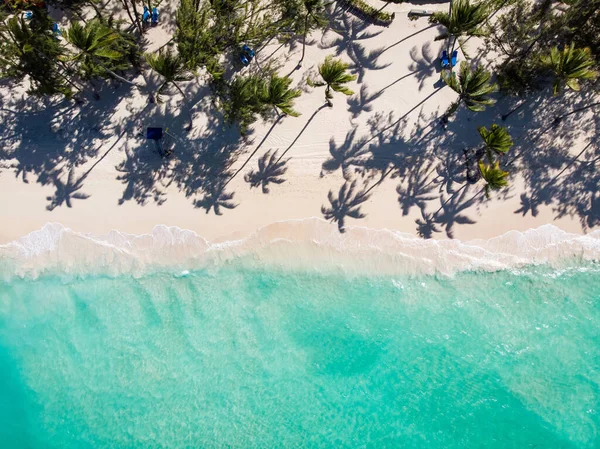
241,101
472,86
493,176
171,67
102,50
277,93
247,97
29,48
524,32
334,75
377,15
497,140
569,66
465,19
197,43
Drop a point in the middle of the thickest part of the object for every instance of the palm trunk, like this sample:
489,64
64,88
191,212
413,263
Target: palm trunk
134,20
113,74
519,106
137,15
304,40
92,3
327,93
383,7
186,106
559,118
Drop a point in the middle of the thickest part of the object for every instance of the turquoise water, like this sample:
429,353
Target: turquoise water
248,358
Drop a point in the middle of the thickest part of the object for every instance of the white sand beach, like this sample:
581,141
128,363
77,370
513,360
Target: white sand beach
87,167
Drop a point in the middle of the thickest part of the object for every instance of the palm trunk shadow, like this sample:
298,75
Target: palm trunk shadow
406,38
255,150
301,131
398,80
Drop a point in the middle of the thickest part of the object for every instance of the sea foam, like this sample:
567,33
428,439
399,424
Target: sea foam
310,244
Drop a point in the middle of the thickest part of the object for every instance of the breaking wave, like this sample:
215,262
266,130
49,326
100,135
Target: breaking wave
310,244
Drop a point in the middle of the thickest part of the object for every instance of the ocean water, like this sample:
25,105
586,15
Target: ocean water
242,356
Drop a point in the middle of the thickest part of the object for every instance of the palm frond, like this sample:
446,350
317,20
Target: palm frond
494,177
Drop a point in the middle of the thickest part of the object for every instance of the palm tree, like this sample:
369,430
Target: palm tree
270,170
334,75
464,19
312,18
347,204
173,69
279,95
496,140
494,177
473,88
29,48
569,66
97,43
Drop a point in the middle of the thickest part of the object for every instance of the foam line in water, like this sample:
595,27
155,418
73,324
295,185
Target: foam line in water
310,244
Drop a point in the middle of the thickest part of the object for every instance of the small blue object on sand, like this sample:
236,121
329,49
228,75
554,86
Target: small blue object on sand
244,59
248,51
28,15
154,133
55,28
444,59
146,15
154,16
454,57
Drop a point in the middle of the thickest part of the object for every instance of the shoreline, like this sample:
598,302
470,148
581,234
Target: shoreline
295,245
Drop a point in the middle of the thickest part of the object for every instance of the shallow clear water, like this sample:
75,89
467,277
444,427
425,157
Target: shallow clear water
241,358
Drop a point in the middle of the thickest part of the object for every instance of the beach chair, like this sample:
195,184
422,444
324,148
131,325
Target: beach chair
56,28
146,16
248,52
444,59
154,16
154,133
414,14
454,57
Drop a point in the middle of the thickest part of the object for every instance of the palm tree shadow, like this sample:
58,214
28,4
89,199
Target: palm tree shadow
66,191
361,102
347,154
419,189
346,204
270,171
146,176
350,31
426,225
452,211
215,197
425,65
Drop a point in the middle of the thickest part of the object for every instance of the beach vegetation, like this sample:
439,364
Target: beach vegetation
314,15
30,49
465,18
473,87
497,141
334,76
569,66
493,176
278,94
101,51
